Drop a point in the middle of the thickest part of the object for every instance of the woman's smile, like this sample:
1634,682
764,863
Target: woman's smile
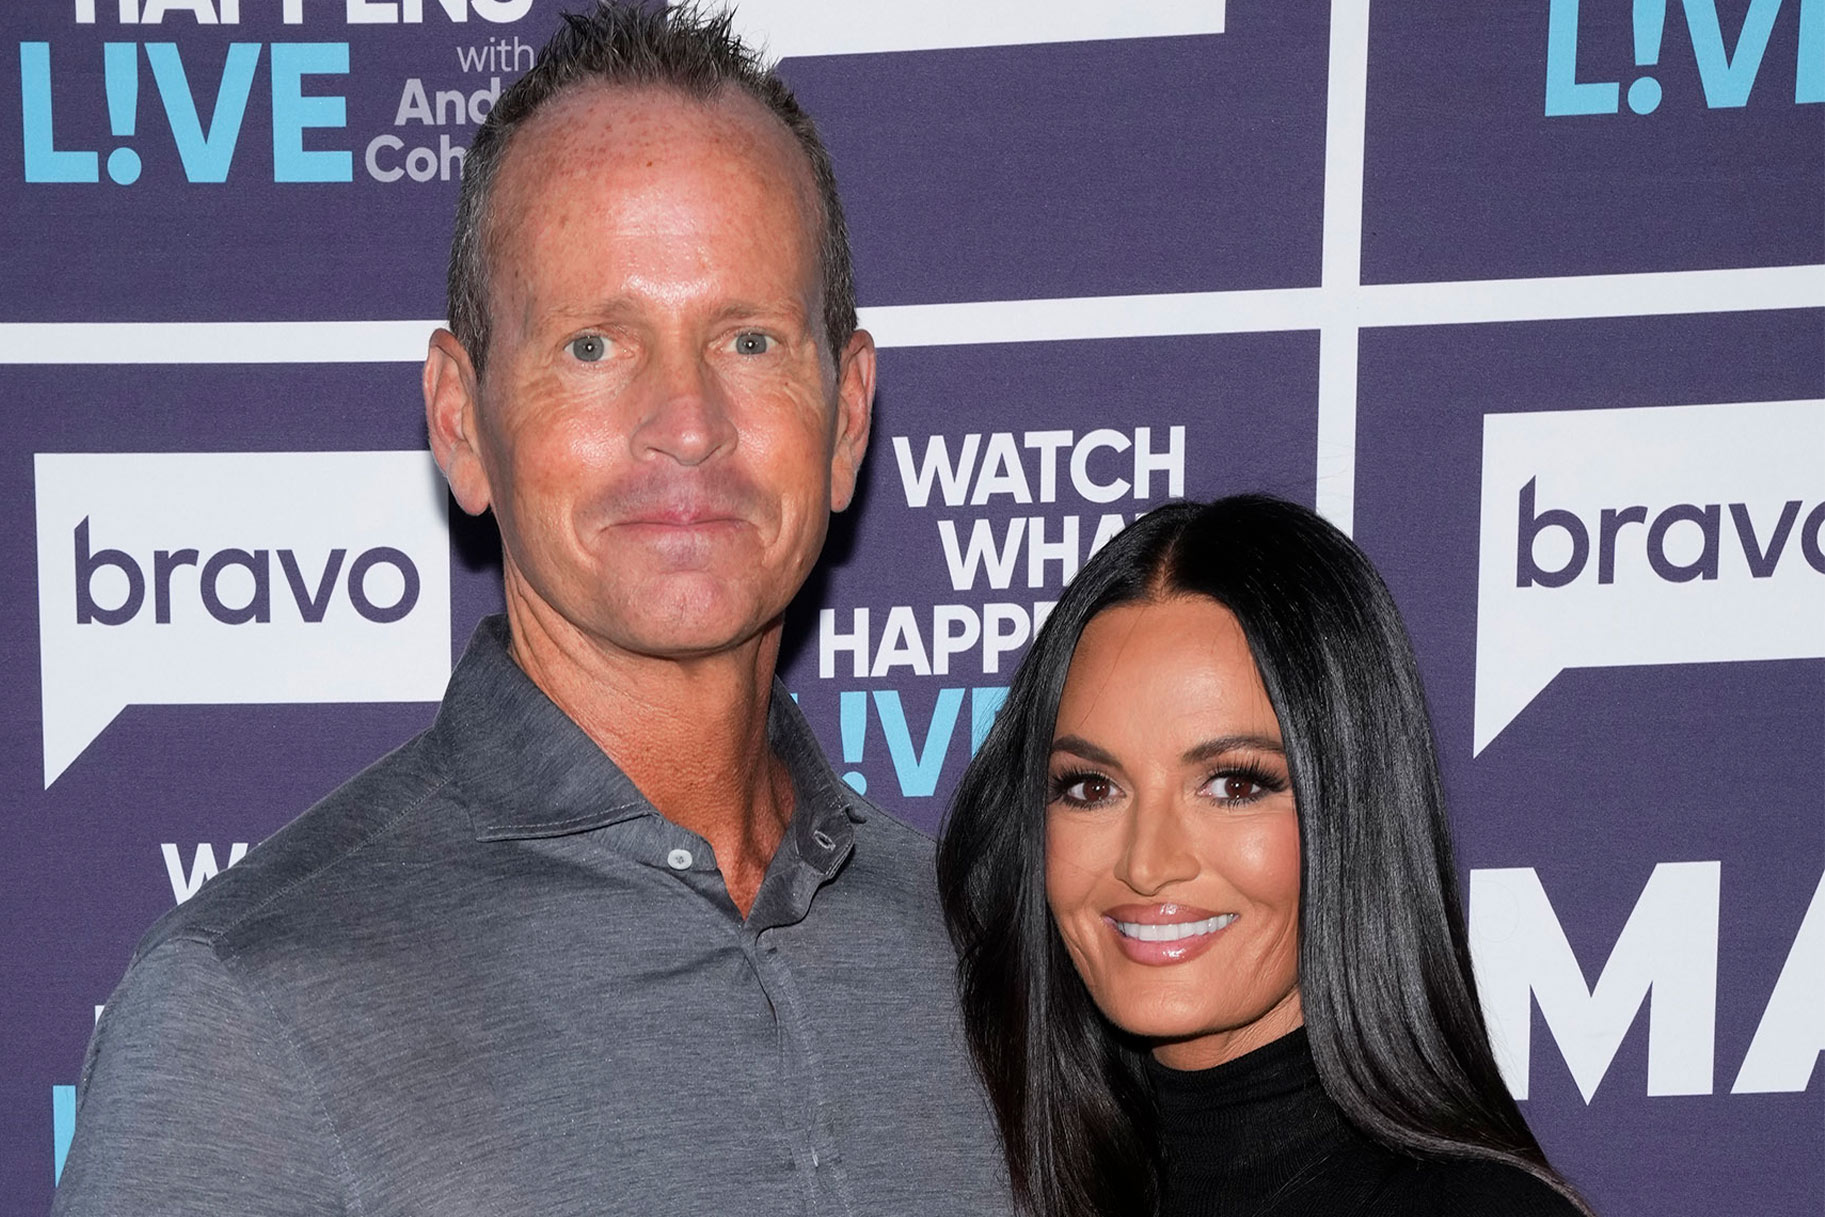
1163,934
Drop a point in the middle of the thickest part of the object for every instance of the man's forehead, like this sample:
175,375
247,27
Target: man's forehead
598,132
614,194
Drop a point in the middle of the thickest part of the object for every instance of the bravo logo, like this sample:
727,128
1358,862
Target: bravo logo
1680,534
229,578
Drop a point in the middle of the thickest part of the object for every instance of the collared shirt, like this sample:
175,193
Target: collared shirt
487,977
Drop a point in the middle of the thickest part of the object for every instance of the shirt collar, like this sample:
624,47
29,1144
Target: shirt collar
525,769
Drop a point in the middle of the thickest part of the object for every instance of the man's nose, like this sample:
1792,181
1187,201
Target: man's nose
687,416
1157,852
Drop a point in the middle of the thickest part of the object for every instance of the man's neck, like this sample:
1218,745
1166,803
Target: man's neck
690,733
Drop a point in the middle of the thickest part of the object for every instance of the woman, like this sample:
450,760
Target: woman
1212,957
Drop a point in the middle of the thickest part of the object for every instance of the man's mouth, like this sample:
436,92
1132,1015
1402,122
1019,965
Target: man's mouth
682,517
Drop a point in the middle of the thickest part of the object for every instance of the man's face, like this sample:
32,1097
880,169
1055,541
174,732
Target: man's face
659,428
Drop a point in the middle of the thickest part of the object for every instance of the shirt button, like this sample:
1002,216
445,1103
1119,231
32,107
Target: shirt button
679,859
823,840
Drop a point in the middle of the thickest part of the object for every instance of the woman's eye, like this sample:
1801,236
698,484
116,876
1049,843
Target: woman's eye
751,342
1091,790
1235,788
1088,789
589,348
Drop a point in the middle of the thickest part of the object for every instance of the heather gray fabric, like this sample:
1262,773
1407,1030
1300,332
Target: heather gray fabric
484,978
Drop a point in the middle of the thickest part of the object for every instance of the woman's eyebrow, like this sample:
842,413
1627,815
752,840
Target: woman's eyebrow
1210,749
1076,745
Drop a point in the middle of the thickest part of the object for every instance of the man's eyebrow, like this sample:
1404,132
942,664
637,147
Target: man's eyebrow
1077,745
733,310
568,315
1210,749
737,310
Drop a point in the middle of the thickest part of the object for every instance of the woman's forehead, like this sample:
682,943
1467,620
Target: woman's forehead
1159,670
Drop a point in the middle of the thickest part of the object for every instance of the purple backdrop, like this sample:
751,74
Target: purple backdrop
1537,242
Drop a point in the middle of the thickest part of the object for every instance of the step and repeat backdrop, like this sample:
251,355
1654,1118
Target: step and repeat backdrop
1529,296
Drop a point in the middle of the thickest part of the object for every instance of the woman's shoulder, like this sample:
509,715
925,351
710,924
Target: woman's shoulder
1460,1188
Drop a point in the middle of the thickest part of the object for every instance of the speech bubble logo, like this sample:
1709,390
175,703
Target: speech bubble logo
233,578
1652,535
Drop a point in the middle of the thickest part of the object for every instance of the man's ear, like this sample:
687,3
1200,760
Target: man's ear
452,418
854,416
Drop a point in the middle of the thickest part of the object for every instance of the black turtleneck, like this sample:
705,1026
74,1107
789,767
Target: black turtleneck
1258,1137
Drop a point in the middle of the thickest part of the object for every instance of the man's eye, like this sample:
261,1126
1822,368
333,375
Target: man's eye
589,348
750,342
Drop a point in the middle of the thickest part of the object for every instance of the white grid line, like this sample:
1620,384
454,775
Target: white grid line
1374,305
1345,136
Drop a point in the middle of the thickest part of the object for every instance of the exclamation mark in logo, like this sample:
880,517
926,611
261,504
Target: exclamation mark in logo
1650,20
852,717
63,1128
121,61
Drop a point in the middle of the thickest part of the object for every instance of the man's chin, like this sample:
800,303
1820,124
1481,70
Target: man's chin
689,614
685,648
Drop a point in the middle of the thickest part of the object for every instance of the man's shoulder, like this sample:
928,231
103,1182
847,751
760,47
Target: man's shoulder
888,832
289,872
901,849
896,865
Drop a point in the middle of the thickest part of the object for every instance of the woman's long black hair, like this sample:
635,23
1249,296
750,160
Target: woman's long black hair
1391,1012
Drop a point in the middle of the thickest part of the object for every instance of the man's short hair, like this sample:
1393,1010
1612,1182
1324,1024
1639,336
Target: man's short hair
619,43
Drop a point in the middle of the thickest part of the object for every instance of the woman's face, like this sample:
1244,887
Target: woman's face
1172,844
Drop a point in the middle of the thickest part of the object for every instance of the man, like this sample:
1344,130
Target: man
610,936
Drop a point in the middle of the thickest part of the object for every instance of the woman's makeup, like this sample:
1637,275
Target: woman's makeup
1172,838
1163,934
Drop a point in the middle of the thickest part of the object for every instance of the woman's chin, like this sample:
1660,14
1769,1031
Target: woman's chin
1176,1021
1170,1024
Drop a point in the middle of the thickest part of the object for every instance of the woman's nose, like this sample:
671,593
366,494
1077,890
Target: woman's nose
1157,852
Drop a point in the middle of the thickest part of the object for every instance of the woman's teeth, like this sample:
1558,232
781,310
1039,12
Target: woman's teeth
1174,932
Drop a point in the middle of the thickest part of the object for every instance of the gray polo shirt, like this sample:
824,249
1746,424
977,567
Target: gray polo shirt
487,977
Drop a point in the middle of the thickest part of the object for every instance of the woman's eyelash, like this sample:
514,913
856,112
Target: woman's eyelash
1265,781
1269,782
1062,783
